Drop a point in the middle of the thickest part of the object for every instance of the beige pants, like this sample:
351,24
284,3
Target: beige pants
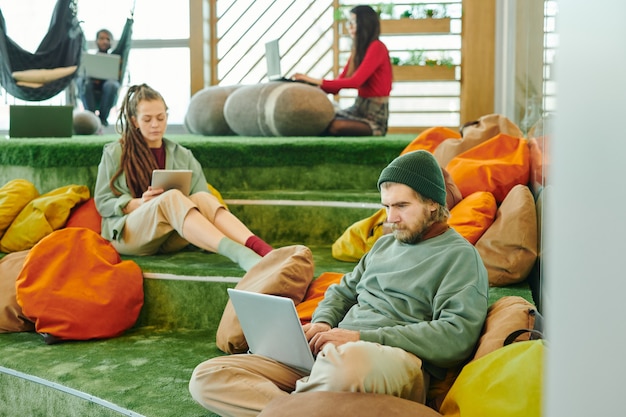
157,226
242,385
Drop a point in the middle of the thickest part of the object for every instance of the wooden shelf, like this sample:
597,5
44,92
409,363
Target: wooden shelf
423,73
413,26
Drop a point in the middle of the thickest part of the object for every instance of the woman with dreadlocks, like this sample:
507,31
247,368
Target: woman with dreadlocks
369,71
141,220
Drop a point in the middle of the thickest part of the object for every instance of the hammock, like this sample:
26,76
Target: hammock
123,45
61,47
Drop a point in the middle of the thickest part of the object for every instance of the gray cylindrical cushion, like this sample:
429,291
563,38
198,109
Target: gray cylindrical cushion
205,114
85,122
278,109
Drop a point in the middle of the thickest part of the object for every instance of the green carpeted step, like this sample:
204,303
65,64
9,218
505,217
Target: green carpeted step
197,263
309,217
230,163
198,304
309,225
188,289
367,196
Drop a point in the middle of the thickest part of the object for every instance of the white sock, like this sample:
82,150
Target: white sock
246,258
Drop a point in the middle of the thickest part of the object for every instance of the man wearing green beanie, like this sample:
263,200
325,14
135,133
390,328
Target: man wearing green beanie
413,307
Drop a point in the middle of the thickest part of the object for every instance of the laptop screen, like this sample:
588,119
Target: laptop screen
272,328
101,66
272,56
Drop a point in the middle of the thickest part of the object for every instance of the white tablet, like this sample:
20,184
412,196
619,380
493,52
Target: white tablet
172,178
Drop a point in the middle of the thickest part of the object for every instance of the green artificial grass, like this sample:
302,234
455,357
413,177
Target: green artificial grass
230,163
84,151
195,262
27,398
146,370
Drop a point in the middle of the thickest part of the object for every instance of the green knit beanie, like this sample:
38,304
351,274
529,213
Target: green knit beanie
420,171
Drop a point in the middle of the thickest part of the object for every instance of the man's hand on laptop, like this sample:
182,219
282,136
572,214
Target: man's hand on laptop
311,329
318,334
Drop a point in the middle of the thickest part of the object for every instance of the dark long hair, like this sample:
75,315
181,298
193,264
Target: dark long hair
137,158
367,31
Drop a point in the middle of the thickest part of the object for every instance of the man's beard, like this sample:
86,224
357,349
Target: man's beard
412,236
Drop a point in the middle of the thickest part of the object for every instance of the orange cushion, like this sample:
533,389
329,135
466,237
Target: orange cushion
473,215
496,165
85,215
74,286
430,138
315,294
474,134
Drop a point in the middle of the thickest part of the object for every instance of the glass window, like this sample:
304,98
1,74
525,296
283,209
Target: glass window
156,24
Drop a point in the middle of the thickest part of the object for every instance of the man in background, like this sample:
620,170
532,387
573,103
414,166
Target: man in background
99,95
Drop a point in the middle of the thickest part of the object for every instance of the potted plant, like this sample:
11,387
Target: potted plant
412,20
415,19
420,67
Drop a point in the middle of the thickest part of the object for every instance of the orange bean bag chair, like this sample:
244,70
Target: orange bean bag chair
74,286
496,165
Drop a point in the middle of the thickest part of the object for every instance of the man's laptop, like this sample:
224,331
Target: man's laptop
172,178
100,66
272,328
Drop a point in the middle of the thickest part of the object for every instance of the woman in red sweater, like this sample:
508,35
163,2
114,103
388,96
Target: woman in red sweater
369,71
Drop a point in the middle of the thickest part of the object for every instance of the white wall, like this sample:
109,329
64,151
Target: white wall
585,273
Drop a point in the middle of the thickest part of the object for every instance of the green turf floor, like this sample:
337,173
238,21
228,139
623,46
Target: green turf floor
146,370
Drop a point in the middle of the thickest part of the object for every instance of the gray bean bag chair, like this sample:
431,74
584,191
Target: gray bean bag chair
278,109
205,114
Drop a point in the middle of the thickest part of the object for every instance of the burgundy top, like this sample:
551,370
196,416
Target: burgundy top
159,156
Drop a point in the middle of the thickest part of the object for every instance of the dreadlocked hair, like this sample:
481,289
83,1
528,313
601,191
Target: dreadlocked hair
137,159
367,31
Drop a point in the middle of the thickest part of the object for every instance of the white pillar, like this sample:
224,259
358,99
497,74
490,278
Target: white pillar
585,257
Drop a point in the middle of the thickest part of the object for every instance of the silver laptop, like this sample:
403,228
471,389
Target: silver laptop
101,66
272,57
272,328
172,178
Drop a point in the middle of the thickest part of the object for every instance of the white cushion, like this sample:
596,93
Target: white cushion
43,76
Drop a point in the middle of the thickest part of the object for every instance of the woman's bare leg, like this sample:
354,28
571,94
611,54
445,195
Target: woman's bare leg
347,127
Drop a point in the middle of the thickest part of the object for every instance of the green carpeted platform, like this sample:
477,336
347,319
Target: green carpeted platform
231,163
